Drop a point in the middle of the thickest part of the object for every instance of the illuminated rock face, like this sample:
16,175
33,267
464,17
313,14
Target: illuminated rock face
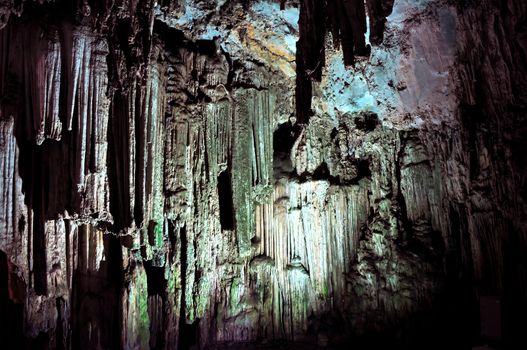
201,173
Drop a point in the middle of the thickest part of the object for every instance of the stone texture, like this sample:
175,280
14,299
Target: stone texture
208,173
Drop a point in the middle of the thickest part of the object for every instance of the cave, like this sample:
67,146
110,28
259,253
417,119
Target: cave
263,174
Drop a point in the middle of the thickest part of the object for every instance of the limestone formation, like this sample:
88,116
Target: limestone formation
261,173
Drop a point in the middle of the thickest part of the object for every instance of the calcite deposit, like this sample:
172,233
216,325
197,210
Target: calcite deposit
209,174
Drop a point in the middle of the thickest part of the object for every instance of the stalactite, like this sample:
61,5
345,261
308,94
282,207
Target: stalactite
378,10
346,21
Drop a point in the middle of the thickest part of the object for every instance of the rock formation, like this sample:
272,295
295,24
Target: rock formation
209,173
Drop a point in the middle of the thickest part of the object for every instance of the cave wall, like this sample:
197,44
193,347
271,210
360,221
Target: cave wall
198,173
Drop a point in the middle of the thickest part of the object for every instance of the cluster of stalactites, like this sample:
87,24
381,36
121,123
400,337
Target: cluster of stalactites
346,21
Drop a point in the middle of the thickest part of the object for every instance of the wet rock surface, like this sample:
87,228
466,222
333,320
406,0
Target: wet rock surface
261,174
